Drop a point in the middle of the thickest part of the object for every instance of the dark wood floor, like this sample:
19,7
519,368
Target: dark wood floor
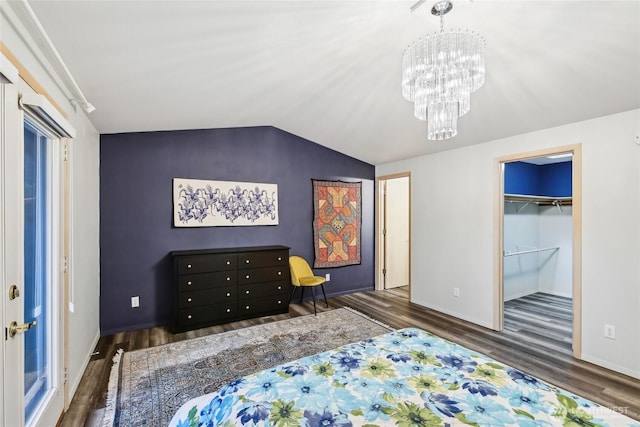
541,319
393,308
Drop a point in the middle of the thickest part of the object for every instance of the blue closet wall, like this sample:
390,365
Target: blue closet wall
136,232
554,180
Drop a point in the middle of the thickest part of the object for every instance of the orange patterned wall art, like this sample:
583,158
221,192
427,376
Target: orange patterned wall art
337,212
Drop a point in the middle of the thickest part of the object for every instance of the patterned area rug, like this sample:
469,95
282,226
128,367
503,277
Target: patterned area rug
153,383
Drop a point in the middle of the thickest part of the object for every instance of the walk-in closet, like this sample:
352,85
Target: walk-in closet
538,250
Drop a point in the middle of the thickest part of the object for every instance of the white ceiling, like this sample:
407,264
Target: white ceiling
329,71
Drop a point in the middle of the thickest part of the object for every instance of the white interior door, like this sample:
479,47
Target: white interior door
33,367
396,233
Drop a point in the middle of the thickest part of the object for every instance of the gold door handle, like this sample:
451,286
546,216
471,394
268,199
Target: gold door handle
14,328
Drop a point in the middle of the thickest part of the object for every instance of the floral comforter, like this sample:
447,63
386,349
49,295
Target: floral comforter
405,378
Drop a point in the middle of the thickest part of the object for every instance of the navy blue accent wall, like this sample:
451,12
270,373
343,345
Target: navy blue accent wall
521,178
556,179
136,232
553,180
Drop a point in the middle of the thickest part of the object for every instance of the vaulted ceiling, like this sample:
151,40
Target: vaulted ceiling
329,71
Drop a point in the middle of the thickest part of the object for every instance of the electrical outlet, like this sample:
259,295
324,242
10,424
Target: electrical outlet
135,302
327,277
610,332
456,292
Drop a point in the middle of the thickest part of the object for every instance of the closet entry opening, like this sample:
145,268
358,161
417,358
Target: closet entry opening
393,234
537,250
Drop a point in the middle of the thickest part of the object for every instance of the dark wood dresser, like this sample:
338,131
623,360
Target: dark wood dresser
222,285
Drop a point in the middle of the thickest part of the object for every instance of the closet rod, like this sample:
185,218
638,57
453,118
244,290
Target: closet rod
530,251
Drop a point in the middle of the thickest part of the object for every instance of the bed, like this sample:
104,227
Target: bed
404,378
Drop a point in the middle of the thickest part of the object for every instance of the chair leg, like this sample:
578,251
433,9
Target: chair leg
313,292
325,295
301,293
292,294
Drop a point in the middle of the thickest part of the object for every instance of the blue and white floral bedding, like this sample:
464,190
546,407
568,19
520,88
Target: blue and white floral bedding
405,378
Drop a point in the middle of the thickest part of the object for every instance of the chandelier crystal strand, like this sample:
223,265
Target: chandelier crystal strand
439,73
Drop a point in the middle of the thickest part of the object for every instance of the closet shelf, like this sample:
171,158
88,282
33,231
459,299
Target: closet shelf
538,200
530,251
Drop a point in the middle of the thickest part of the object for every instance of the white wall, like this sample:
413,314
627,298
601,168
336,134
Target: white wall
520,233
537,227
452,243
84,321
555,228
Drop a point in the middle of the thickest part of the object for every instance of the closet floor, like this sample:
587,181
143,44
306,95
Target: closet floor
541,319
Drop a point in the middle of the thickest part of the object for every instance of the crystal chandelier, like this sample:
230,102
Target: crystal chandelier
439,72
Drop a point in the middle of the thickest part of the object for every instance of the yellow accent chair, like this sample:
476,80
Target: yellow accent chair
302,277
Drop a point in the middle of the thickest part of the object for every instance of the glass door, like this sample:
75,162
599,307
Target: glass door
31,190
39,272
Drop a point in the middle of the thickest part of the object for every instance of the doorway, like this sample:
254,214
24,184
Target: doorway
34,237
538,220
394,234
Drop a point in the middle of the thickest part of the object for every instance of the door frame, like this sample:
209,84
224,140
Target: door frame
380,207
13,120
498,280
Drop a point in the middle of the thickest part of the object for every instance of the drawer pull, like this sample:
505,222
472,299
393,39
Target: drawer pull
228,278
246,261
188,299
188,265
247,276
228,262
228,310
279,287
246,292
279,273
246,308
279,258
279,302
189,317
189,283
228,294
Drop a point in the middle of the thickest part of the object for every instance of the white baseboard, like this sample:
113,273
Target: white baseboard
455,314
611,366
558,294
73,387
520,295
531,292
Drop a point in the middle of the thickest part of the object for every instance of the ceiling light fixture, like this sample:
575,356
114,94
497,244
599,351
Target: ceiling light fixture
439,72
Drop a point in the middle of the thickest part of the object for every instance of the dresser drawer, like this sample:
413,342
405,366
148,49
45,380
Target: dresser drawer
270,304
266,274
205,263
206,280
206,314
263,259
221,285
207,296
255,290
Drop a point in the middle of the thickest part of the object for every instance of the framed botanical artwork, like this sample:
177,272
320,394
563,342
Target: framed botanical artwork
202,203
